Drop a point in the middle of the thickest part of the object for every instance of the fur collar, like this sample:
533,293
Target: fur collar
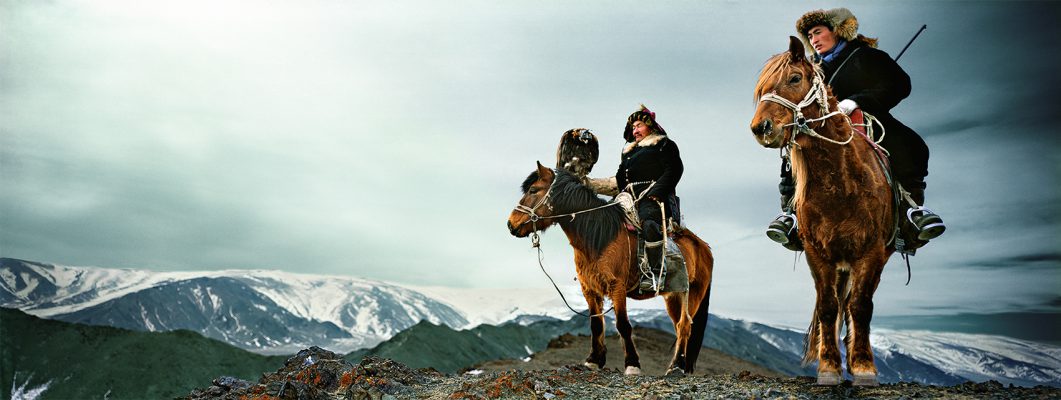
650,140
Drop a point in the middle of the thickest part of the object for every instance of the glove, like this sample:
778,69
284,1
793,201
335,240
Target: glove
847,106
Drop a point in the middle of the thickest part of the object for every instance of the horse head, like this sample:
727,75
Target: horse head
534,207
786,77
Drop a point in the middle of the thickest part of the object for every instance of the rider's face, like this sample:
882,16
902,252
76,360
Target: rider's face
821,38
640,130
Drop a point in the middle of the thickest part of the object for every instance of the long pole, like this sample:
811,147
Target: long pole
910,42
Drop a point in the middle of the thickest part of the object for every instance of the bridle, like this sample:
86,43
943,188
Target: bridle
533,217
800,123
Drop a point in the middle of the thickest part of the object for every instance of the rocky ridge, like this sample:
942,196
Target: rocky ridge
318,374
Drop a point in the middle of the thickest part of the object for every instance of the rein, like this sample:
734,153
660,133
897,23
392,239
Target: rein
536,243
530,211
536,240
800,123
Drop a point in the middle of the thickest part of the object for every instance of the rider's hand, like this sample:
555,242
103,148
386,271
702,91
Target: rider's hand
847,106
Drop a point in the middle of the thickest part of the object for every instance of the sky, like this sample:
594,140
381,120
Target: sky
387,140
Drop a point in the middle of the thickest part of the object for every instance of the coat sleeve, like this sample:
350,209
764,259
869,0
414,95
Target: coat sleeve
620,176
886,84
672,172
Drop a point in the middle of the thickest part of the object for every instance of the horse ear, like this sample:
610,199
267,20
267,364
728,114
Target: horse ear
543,171
795,49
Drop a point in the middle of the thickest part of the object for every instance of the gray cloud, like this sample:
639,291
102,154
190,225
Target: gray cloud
388,140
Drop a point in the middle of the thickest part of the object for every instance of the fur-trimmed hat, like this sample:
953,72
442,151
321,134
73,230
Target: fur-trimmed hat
840,20
644,115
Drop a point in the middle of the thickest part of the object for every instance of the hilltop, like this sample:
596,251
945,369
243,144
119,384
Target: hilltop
319,375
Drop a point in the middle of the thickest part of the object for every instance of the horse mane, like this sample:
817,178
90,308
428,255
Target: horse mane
597,228
772,68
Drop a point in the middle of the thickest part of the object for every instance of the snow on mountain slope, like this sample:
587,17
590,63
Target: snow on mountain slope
345,313
976,357
368,311
496,306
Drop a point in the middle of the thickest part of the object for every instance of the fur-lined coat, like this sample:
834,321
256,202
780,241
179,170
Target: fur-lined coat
871,78
654,158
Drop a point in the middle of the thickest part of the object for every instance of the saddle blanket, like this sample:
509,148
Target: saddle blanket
675,276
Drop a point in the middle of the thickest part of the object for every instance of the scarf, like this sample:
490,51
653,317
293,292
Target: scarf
831,54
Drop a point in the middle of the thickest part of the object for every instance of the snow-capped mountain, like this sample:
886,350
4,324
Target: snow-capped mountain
279,312
265,311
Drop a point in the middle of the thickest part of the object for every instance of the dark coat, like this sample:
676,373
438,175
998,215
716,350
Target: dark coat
655,158
871,78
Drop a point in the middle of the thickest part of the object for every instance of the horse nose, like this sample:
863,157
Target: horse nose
511,229
763,127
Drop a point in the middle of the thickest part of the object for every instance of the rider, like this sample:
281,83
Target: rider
861,76
649,170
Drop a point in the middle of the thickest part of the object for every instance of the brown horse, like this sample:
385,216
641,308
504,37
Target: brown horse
605,254
843,203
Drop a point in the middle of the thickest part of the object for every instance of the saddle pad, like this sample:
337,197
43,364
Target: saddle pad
677,279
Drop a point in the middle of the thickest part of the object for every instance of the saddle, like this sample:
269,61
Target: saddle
674,276
904,234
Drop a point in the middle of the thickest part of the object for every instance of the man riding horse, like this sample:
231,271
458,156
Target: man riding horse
649,170
861,77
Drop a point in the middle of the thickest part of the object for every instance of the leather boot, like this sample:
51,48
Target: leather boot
784,229
654,253
929,225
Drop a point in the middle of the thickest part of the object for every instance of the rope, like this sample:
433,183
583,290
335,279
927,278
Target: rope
818,94
536,239
536,243
530,211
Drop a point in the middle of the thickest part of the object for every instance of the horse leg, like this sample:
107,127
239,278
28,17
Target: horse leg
823,331
598,352
678,308
864,279
632,362
698,308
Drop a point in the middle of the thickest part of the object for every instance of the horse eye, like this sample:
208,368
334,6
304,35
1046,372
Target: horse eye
794,79
533,190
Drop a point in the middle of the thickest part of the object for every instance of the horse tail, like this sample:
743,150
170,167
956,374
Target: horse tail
843,289
810,342
696,338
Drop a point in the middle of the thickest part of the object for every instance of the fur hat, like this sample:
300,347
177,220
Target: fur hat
840,20
646,116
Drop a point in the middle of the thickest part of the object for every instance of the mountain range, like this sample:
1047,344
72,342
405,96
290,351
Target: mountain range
276,312
270,312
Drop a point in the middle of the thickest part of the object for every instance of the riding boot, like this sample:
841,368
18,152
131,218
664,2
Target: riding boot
654,253
929,225
784,229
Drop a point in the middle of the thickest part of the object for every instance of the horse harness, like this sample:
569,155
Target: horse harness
536,239
800,124
533,219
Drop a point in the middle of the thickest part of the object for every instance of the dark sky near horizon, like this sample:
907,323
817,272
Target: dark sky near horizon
388,140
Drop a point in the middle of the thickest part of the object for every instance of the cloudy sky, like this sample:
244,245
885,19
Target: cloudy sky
387,140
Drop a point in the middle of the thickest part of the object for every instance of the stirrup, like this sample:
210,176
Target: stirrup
929,225
647,284
781,228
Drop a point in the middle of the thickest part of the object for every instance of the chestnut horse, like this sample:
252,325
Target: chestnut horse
843,203
605,254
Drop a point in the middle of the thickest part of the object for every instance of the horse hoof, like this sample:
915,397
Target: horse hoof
865,380
828,378
591,365
632,370
675,371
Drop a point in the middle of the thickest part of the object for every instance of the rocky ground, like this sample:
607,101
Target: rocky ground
653,347
319,374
